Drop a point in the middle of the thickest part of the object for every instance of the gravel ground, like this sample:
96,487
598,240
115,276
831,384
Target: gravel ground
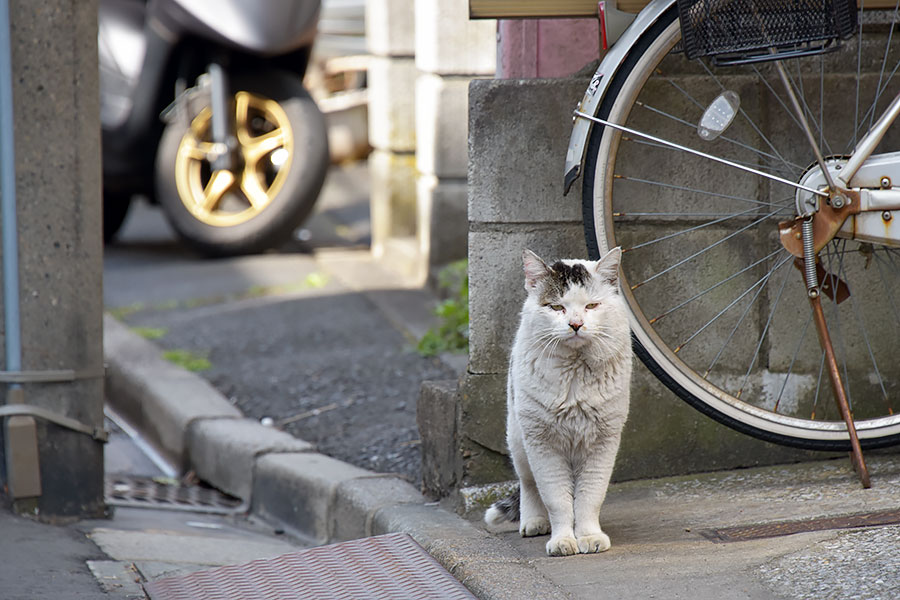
322,363
857,565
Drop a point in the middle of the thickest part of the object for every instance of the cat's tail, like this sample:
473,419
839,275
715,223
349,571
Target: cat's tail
503,510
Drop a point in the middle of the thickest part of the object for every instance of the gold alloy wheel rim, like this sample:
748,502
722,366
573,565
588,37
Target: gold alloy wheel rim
225,198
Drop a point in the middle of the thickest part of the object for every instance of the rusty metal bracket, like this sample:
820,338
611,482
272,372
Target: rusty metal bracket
51,375
831,285
826,223
29,410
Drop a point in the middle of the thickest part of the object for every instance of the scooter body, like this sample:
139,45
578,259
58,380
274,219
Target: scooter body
162,62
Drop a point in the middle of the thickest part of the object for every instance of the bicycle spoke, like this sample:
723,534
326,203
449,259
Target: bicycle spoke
887,49
683,215
793,361
737,325
836,314
704,250
750,121
765,330
824,146
812,415
793,168
821,100
859,45
692,229
715,286
796,170
872,108
761,283
786,108
865,336
782,205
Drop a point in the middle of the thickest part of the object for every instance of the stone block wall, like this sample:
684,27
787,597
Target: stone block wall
390,38
450,51
424,53
518,136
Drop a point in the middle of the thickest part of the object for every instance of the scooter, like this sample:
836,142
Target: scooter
204,111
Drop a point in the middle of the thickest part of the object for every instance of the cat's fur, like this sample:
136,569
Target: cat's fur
567,400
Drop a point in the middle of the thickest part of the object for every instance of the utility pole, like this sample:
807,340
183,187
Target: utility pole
52,402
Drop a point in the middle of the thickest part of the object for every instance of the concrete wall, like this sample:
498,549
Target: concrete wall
450,51
57,145
390,38
424,54
518,135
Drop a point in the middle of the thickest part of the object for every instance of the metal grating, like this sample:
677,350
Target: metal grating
385,567
148,492
767,530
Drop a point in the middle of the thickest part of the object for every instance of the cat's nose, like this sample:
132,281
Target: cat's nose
575,325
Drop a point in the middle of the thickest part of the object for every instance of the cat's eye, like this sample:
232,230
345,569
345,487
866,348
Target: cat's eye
592,305
556,307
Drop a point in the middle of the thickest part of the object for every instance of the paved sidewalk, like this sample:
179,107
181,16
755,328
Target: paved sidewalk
658,527
298,495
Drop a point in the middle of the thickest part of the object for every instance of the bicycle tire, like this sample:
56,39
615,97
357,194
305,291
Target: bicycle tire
618,213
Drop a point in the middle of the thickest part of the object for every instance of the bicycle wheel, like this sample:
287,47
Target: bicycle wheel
719,311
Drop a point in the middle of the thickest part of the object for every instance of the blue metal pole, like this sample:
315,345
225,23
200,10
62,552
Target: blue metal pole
8,201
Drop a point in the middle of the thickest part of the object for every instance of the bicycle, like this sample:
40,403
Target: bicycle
732,226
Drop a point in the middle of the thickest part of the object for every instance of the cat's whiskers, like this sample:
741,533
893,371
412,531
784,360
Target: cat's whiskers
549,347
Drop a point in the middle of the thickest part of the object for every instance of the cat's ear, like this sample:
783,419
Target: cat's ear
607,268
535,269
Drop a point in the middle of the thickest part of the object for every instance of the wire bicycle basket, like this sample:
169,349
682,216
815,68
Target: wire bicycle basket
745,31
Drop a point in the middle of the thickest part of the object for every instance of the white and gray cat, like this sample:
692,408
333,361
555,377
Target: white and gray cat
567,400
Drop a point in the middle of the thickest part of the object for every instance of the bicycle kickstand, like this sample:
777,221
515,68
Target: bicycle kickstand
856,455
812,285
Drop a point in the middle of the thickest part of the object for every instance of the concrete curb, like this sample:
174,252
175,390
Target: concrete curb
285,482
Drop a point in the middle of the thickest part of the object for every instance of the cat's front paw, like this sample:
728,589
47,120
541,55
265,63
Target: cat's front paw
562,546
589,544
534,526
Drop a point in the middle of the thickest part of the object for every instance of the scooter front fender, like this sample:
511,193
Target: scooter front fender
263,27
610,64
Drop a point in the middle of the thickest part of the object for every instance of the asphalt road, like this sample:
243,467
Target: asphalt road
277,335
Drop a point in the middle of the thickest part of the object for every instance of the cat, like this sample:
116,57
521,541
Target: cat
567,400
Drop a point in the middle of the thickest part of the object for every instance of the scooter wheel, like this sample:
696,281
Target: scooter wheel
115,209
276,173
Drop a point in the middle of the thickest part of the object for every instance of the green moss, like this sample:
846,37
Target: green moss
150,333
123,312
187,360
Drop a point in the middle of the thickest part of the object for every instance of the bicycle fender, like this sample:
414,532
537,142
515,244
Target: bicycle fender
600,82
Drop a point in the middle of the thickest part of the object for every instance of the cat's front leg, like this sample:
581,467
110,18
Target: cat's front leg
532,514
554,482
590,491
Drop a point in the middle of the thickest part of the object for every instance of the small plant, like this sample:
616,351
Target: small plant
150,333
187,360
451,334
123,312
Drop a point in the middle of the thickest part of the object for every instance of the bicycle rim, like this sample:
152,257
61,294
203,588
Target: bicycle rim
719,311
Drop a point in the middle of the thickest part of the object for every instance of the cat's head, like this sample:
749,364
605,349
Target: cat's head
576,302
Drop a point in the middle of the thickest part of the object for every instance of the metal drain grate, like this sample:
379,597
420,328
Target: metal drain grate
146,492
767,530
386,567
